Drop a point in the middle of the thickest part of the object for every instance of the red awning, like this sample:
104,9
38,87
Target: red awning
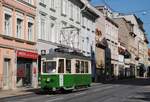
26,54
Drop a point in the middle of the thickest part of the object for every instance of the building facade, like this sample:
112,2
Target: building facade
66,24
111,35
18,56
101,45
137,45
126,41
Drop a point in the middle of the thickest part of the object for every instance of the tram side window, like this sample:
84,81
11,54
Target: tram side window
61,66
49,67
68,66
82,66
77,66
86,67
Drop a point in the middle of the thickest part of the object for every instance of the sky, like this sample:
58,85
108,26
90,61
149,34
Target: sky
140,7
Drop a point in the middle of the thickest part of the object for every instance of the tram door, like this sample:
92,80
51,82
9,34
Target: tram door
6,75
61,71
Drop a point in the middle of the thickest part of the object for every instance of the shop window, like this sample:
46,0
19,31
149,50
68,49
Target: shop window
77,66
86,67
61,66
82,66
49,67
68,66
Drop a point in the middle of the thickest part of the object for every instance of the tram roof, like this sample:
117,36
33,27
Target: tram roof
52,55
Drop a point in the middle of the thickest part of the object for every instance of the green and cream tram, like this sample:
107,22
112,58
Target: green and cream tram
64,71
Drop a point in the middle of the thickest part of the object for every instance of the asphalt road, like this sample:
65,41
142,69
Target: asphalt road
117,91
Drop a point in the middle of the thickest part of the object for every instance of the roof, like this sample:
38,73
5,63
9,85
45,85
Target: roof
90,8
67,55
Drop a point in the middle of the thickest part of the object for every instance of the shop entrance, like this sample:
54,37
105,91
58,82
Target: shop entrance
6,75
24,74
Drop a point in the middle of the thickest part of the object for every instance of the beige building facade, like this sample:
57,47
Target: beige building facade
18,56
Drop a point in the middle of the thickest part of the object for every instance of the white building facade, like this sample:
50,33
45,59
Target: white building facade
63,23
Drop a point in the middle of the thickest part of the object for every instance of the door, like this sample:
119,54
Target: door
24,74
28,72
6,75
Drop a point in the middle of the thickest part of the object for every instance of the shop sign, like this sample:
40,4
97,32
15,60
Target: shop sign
25,54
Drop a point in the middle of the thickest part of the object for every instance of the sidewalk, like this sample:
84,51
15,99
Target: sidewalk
25,91
16,92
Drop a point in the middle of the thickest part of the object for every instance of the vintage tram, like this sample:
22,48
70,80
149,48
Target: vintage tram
64,70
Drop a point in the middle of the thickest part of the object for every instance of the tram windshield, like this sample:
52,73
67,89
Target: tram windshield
49,67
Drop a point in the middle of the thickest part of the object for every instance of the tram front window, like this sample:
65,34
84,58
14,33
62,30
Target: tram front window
49,67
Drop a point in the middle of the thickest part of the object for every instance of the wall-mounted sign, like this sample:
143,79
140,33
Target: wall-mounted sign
25,54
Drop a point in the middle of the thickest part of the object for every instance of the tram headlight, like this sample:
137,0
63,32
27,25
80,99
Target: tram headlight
48,79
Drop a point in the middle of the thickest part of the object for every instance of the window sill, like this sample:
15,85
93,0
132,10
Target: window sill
6,37
52,9
71,19
63,14
77,22
83,26
88,29
42,4
27,3
31,42
19,40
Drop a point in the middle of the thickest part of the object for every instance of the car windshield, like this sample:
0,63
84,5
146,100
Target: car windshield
49,67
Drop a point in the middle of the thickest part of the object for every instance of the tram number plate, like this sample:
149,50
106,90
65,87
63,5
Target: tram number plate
61,80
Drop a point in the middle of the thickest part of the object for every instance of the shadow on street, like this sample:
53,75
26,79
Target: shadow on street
145,96
134,82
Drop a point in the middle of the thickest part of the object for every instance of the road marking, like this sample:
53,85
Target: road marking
55,99
78,94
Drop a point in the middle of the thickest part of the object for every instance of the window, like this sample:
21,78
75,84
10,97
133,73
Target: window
8,24
61,66
78,14
86,67
77,65
19,27
43,32
52,4
29,1
71,10
64,7
49,67
52,32
42,1
30,31
68,66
